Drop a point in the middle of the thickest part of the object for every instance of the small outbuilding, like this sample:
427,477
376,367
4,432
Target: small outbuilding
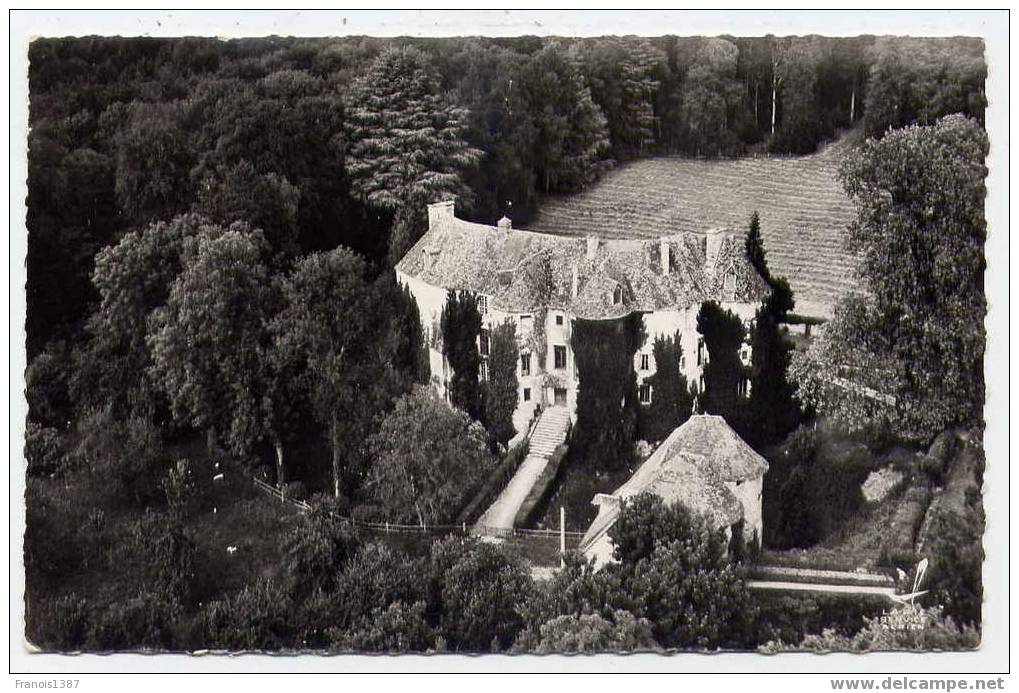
704,465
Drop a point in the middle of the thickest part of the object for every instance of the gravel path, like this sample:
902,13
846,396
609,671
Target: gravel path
817,587
504,510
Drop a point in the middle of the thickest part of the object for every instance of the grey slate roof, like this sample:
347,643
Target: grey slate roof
690,467
522,270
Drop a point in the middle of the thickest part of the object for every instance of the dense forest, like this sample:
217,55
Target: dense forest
212,227
125,132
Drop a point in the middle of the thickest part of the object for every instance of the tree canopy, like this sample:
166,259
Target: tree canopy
425,458
920,232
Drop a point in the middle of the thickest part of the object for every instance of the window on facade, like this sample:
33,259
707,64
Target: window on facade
644,393
483,370
700,351
560,356
527,394
559,319
526,324
700,384
525,364
742,387
482,304
483,342
644,362
729,286
744,353
682,362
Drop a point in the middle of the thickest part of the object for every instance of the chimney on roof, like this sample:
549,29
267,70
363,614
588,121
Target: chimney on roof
592,247
664,256
504,224
440,212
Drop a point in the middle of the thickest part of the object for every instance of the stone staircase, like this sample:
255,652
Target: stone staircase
548,434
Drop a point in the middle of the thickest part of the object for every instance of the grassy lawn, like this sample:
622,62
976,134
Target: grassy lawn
109,559
859,534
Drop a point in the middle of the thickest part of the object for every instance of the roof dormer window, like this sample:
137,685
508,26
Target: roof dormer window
617,295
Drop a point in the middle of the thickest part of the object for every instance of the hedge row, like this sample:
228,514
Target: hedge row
533,507
495,483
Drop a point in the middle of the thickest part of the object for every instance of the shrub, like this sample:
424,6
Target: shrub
374,579
257,618
674,569
44,450
144,621
59,625
813,487
315,551
476,590
906,628
534,504
127,453
591,633
295,490
789,618
397,628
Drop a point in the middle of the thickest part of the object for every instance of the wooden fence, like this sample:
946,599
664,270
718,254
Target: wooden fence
395,528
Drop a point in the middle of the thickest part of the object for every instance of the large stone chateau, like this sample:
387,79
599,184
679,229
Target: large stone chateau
543,282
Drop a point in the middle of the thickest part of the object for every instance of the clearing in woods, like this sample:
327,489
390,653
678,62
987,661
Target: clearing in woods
804,212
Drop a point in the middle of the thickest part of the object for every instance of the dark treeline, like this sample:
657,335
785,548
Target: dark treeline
268,131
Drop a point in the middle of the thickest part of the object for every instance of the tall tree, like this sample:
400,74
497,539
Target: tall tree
500,389
607,407
723,334
207,340
400,334
325,325
461,327
796,127
772,408
921,80
271,152
426,457
154,155
504,181
571,134
133,278
625,79
754,247
920,232
710,89
848,374
407,140
266,201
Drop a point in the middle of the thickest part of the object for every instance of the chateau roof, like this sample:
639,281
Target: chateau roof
721,447
690,467
521,271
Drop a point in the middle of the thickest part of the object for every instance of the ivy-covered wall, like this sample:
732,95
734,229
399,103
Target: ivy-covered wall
607,407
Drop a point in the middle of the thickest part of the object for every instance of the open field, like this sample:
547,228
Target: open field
803,211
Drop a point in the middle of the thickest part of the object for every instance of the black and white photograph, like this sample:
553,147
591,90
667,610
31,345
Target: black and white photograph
506,342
